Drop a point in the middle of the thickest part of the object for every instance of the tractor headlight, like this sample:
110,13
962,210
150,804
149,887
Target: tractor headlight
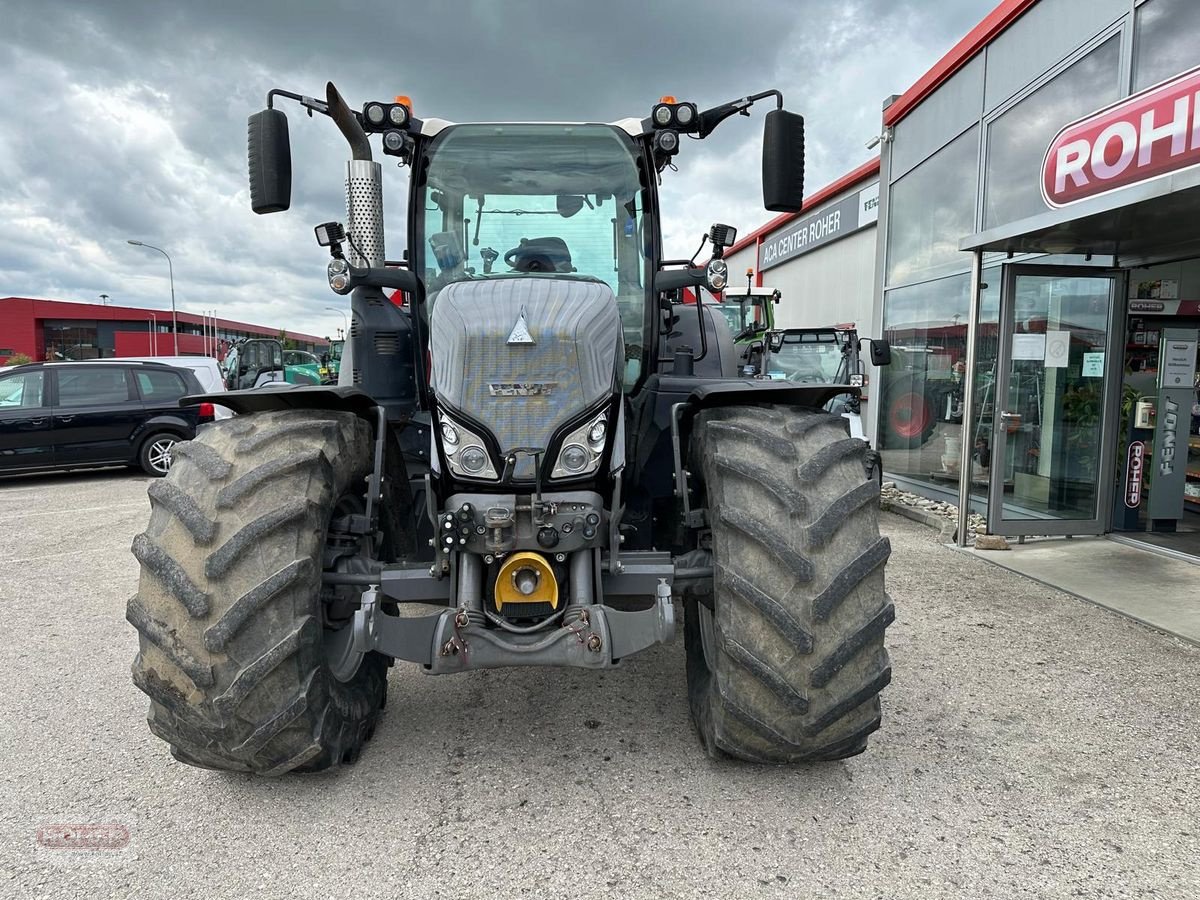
716,276
582,449
464,450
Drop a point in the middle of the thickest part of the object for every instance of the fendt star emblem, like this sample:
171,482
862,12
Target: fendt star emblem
520,333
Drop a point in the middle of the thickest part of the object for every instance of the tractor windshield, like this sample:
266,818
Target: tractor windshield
546,201
743,313
813,357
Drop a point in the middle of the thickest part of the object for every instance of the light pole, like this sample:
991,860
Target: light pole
171,273
345,321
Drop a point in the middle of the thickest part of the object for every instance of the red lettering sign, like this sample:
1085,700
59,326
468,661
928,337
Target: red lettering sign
1133,474
1151,134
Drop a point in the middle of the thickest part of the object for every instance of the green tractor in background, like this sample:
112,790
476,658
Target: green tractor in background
256,362
750,313
331,360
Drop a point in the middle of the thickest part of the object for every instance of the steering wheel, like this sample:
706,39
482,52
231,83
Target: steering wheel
806,379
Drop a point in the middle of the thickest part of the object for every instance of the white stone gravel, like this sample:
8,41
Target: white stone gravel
890,495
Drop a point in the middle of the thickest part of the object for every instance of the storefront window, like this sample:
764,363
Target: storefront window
931,209
1164,40
71,342
1017,140
920,419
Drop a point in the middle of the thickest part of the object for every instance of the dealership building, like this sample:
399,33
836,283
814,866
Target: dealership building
56,329
1029,242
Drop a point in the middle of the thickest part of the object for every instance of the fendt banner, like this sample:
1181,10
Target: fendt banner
1153,133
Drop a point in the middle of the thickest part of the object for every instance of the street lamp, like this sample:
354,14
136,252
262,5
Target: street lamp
171,273
345,321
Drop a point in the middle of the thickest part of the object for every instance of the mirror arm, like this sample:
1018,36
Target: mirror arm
711,118
309,103
400,279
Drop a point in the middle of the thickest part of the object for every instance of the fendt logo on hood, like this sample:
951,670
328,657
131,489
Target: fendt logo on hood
522,389
1151,134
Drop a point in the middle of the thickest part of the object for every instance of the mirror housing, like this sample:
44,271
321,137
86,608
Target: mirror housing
783,161
881,352
269,158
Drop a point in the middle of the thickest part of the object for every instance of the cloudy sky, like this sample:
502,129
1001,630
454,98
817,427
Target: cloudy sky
127,119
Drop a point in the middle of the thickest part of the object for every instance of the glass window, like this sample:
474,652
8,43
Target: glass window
69,341
1018,139
90,386
156,385
930,210
22,390
1164,40
538,200
920,393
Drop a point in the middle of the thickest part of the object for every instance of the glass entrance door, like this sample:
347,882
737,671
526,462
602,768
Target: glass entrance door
1050,402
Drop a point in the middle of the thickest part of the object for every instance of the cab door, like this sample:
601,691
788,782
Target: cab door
26,423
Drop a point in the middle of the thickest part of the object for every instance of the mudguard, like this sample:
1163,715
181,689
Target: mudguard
300,396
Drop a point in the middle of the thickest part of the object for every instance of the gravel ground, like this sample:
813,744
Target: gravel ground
1033,746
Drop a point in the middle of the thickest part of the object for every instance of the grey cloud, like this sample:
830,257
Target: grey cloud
130,119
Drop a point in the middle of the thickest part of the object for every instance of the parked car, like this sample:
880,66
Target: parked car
206,369
77,415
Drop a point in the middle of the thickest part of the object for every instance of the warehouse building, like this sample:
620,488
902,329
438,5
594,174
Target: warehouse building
56,329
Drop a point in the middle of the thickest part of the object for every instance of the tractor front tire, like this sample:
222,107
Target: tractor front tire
788,663
229,612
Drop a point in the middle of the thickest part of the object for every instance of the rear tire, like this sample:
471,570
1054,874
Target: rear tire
788,665
229,611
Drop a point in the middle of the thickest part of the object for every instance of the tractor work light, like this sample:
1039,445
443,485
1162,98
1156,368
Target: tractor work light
722,235
716,275
375,114
666,143
398,114
329,233
393,141
668,113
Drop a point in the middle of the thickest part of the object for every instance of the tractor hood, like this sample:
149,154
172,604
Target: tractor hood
524,356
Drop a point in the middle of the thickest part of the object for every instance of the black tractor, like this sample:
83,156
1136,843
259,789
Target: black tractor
526,462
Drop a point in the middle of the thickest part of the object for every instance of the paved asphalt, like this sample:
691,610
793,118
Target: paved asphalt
1033,746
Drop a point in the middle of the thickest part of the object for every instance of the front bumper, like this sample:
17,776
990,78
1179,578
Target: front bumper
590,636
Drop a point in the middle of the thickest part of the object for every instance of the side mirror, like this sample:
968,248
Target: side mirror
269,155
783,161
881,352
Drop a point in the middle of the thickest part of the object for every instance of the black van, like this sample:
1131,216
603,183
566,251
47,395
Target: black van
78,415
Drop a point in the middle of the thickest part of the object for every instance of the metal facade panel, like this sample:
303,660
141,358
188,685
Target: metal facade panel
944,115
1045,35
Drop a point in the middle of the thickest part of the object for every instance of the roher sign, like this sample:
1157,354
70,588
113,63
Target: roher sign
1153,133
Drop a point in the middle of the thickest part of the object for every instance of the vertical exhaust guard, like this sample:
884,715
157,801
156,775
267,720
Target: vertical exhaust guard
364,212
